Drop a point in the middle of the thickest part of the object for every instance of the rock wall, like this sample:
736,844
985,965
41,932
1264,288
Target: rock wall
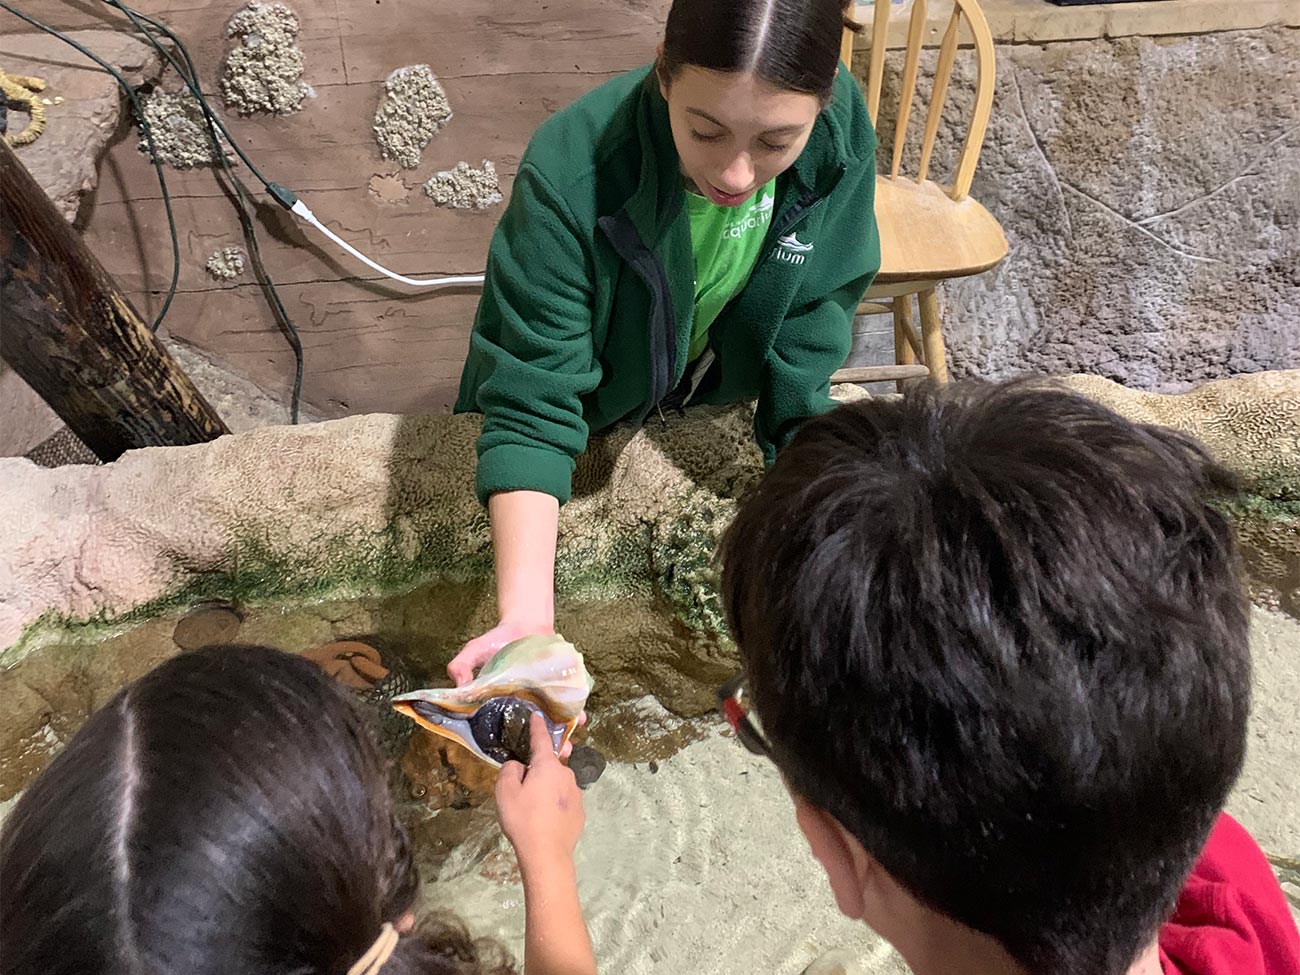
1148,189
64,161
381,502
1146,186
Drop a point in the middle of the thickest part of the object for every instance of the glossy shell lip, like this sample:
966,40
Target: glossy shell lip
545,671
444,725
456,726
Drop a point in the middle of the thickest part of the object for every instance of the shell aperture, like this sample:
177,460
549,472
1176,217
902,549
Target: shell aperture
490,715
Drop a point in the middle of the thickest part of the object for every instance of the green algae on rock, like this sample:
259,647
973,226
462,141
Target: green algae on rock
380,504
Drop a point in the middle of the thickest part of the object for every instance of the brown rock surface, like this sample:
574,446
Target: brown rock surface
64,159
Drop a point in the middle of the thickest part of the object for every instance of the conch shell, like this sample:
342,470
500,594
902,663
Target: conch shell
490,715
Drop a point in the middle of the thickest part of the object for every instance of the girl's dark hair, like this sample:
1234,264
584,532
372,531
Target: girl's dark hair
792,44
1000,634
227,813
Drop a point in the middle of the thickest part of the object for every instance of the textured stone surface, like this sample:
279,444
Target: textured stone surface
263,72
359,502
226,264
1148,191
178,129
374,501
64,158
1033,21
414,108
464,187
1252,426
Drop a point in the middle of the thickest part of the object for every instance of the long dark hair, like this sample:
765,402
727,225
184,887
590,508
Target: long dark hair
792,44
227,813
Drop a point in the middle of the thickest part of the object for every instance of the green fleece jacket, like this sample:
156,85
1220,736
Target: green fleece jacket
586,312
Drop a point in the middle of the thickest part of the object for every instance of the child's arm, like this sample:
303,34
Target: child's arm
542,816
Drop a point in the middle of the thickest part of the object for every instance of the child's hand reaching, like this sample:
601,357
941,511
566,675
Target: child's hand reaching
542,816
540,806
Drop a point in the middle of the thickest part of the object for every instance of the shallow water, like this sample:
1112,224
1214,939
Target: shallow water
696,868
634,648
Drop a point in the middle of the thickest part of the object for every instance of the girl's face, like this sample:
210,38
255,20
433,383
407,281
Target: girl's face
734,131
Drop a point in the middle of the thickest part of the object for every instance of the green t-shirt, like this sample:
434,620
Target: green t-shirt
726,242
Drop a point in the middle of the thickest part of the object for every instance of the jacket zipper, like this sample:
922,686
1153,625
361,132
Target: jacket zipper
790,220
663,324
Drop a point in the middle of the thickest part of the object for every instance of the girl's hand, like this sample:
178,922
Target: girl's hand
540,808
480,650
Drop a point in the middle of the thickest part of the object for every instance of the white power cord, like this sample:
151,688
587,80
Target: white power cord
302,210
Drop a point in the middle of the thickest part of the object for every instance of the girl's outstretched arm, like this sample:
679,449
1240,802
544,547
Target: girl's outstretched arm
541,814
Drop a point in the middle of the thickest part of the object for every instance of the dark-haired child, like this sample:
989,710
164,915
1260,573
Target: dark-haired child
995,640
228,814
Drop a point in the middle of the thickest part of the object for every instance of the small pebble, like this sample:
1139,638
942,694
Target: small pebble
654,766
587,764
206,624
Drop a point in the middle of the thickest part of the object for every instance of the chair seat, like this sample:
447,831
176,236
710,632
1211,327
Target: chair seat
925,236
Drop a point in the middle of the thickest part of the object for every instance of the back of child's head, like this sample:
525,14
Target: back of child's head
998,633
226,813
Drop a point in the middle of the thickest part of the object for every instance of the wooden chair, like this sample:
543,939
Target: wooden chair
928,233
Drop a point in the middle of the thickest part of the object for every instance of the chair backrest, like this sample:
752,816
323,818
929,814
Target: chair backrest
983,42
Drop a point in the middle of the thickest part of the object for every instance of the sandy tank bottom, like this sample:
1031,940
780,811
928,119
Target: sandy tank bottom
699,867
696,868
693,863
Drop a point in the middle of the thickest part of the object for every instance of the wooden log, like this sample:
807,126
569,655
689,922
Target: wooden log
67,330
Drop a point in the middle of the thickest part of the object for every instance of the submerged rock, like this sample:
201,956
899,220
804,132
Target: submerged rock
207,624
587,764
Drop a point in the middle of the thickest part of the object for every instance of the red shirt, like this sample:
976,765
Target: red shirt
1232,917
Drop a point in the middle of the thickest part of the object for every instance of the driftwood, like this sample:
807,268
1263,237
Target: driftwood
68,331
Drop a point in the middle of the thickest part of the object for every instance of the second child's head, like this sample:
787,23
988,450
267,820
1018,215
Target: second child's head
227,813
997,640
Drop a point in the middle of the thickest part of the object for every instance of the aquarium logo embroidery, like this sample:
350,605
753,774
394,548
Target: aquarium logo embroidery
758,215
791,250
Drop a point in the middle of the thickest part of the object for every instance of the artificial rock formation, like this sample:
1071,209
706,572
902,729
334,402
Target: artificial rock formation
80,125
381,502
263,72
1147,190
465,188
414,108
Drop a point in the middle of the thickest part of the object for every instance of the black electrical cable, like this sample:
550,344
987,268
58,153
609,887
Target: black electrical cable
189,75
148,135
191,82
240,197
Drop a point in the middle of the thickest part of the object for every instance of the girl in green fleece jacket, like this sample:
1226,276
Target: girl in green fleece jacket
697,231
